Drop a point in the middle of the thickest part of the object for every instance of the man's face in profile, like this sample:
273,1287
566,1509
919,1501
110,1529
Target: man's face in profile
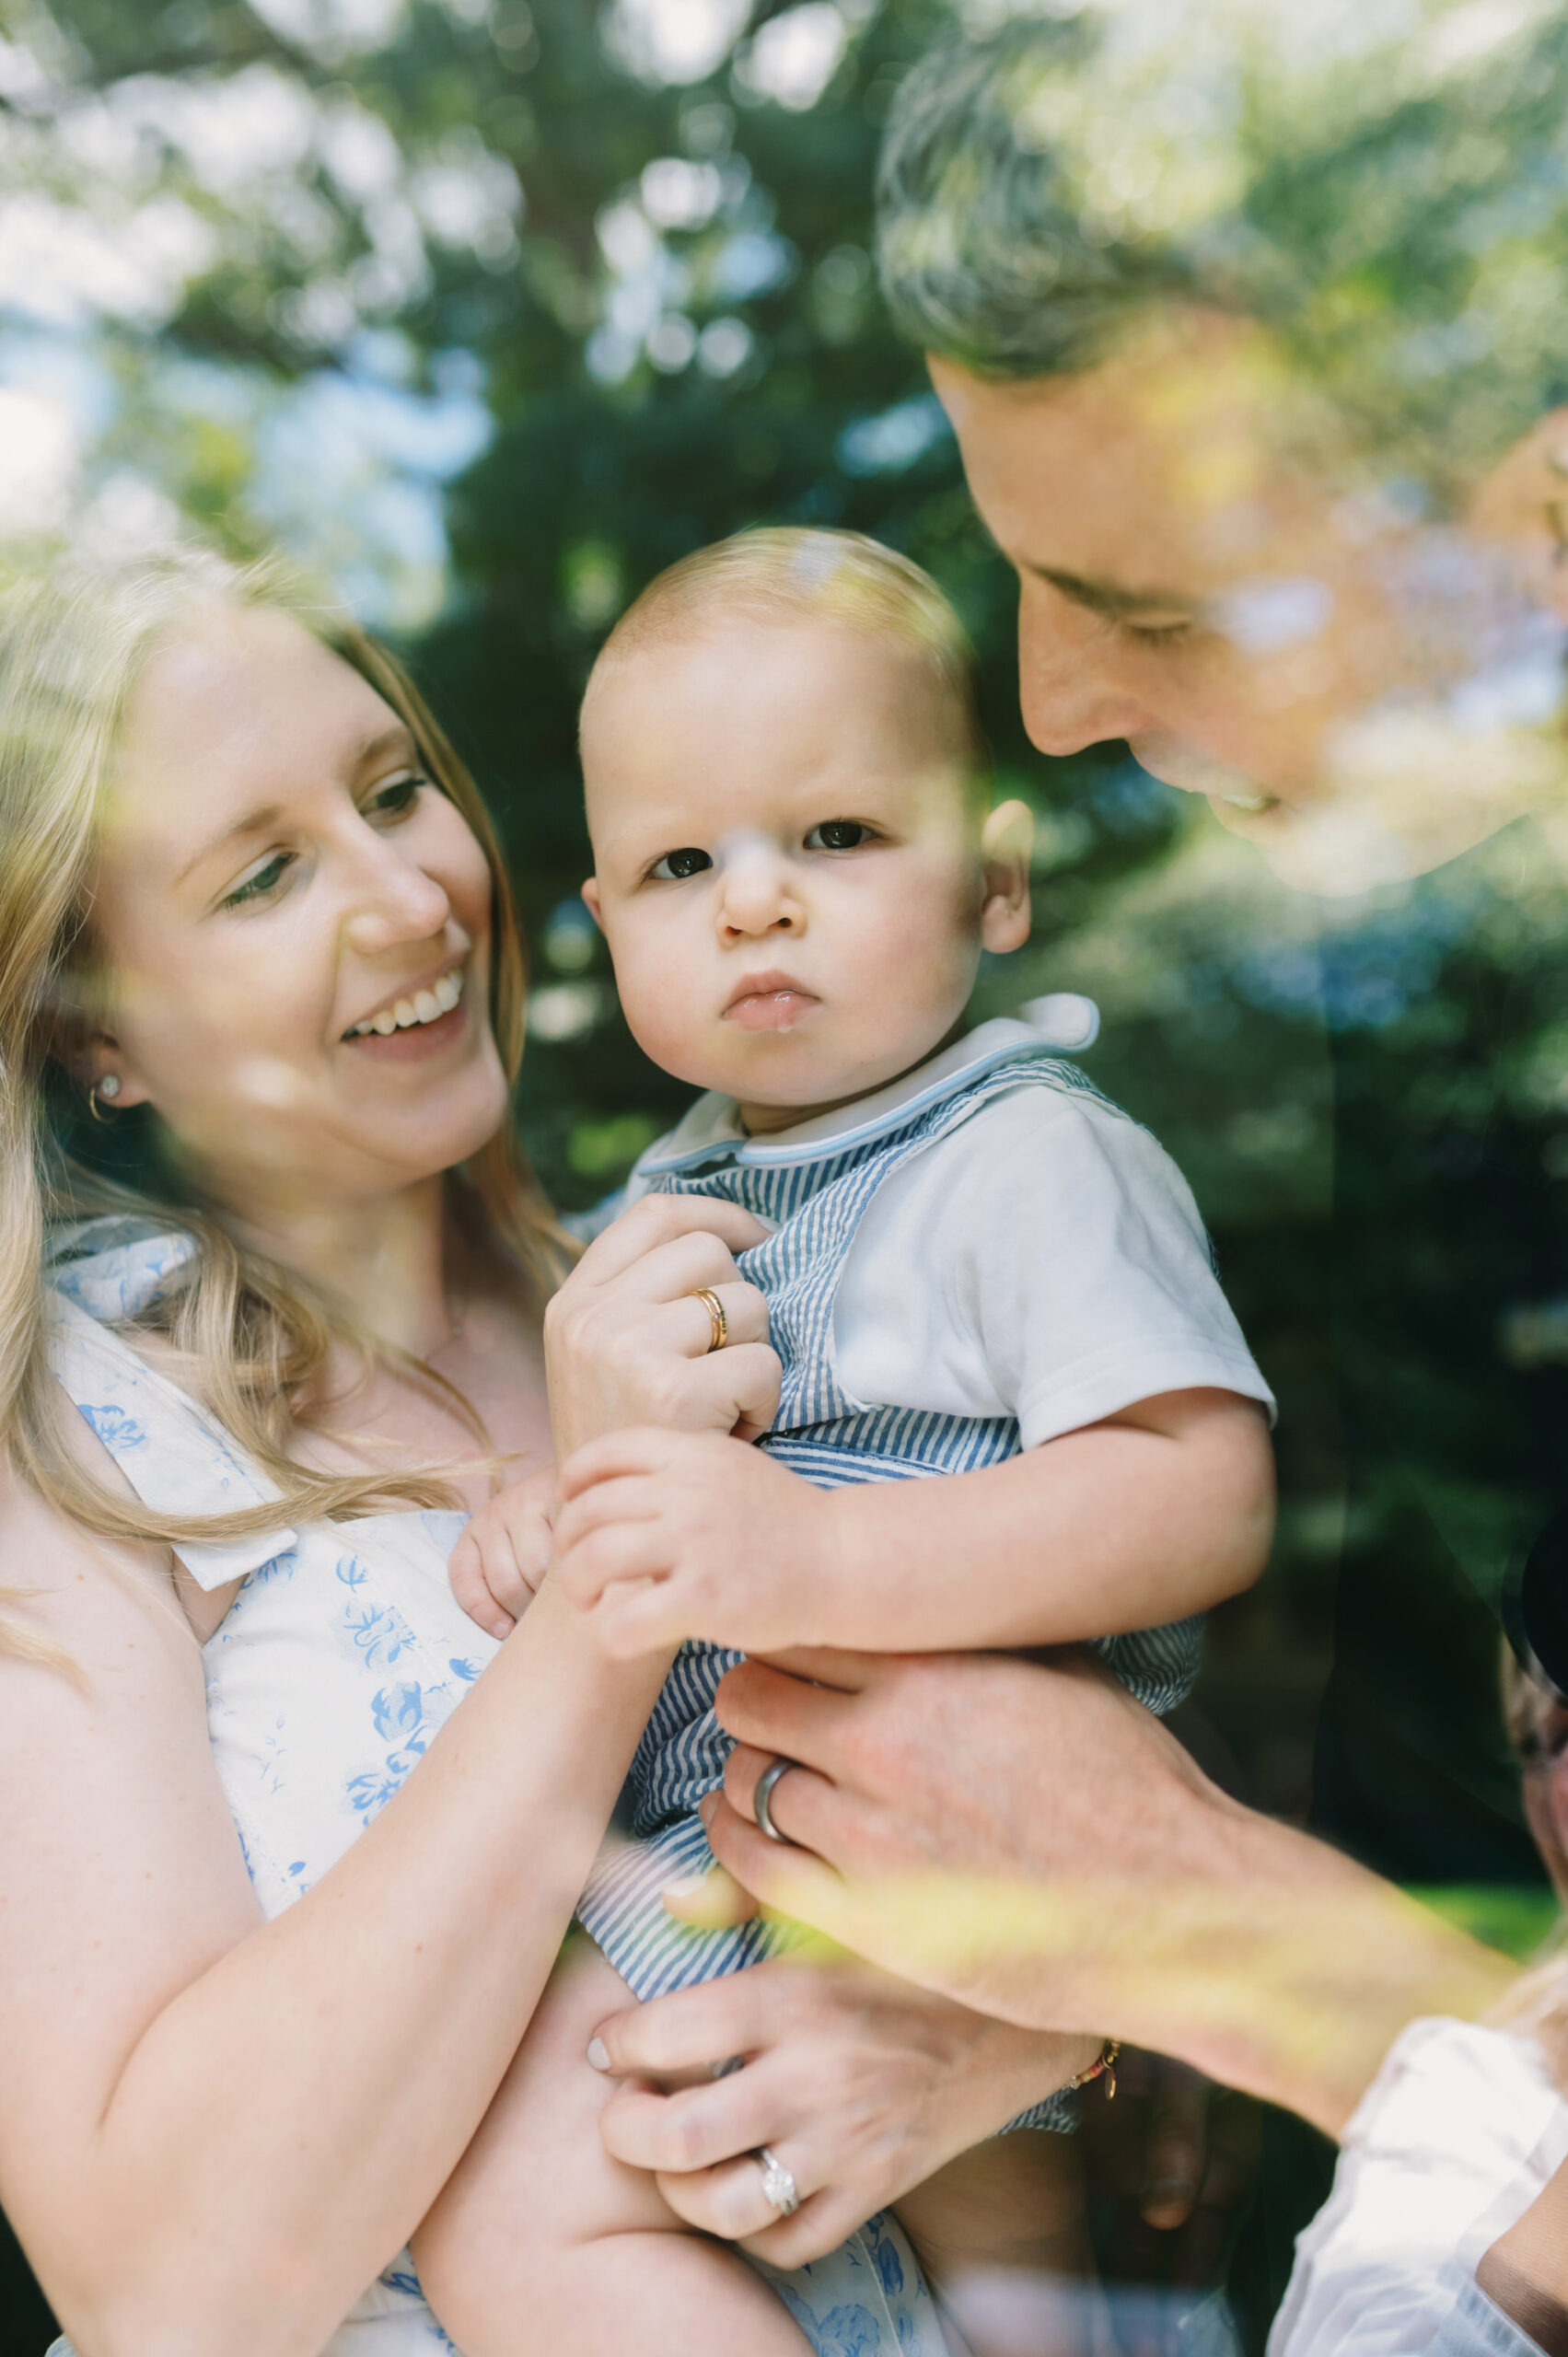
1208,570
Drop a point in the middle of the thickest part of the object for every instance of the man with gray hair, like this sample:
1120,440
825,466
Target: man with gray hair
1248,328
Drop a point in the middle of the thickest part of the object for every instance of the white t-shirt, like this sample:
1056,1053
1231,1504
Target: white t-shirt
1044,1260
1459,2133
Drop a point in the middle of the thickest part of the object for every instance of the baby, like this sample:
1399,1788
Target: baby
977,1269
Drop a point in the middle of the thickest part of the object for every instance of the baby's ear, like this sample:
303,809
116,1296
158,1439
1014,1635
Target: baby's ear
590,900
1006,843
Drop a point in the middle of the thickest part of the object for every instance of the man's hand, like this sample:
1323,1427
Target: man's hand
499,1565
663,1536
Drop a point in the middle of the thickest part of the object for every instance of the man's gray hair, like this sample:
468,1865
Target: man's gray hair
980,232
1388,196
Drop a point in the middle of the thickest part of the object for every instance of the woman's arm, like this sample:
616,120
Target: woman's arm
215,2131
1028,1839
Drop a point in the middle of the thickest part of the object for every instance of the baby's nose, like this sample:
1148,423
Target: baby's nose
757,896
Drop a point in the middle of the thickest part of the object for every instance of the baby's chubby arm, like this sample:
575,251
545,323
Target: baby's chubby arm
1161,1510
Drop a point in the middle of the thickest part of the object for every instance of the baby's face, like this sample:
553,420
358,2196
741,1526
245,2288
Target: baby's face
792,879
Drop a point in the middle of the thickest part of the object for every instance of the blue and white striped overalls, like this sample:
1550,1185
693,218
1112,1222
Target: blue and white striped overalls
816,1193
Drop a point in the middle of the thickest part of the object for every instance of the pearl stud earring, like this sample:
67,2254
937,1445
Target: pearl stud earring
109,1086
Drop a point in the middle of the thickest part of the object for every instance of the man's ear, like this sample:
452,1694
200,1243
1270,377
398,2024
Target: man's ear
1523,504
590,900
1005,841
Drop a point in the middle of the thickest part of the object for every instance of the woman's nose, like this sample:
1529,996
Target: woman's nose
396,900
1072,684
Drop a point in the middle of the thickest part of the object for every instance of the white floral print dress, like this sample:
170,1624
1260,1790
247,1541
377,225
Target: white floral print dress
336,1664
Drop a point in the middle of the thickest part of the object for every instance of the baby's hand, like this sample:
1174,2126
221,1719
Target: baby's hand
665,1535
498,1565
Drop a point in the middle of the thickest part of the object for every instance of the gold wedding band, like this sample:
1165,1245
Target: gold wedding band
717,1322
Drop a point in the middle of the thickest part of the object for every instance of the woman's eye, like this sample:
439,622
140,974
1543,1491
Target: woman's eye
266,879
399,795
838,834
675,864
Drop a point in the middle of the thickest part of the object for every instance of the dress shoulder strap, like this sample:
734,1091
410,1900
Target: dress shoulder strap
175,1457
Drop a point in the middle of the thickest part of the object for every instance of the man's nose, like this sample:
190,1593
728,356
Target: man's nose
1072,683
760,894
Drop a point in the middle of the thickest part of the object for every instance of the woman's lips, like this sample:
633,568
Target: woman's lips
776,1008
419,1039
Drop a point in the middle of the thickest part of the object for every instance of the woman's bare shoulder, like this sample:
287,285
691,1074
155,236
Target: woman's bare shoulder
58,1579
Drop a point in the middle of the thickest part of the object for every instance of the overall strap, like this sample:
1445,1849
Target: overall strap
818,1205
176,1460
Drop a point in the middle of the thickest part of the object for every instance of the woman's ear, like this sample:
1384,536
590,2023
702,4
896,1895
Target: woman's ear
84,1049
100,1058
1005,841
590,900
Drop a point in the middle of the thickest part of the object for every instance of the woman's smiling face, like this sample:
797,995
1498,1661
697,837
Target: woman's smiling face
276,870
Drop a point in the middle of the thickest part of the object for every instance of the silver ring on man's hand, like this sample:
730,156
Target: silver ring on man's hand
761,1799
718,1324
778,2184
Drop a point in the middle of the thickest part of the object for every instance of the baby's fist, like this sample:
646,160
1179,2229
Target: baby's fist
499,1565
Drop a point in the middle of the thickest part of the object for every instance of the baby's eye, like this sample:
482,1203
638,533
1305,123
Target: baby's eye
675,864
838,834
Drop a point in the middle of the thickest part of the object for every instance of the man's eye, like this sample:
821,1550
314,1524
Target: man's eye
396,797
265,879
1159,634
675,864
838,834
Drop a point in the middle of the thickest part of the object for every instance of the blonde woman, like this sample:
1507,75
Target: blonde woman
253,927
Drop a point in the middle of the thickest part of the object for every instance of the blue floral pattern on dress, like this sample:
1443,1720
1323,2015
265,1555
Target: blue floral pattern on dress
119,1432
334,1669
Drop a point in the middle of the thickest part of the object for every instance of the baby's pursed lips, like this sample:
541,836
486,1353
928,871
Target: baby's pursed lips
771,1002
766,985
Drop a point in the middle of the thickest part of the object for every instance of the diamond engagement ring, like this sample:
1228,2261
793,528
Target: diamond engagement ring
761,1799
777,2183
718,1324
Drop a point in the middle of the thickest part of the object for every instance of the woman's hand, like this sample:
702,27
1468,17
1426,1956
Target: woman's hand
860,2086
626,1343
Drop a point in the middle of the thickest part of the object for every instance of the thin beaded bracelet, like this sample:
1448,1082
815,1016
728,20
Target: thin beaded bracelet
1103,2067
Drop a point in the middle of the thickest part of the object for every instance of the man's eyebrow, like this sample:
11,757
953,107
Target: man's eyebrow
1110,597
267,814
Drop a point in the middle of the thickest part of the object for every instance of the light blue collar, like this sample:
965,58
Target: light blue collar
711,1130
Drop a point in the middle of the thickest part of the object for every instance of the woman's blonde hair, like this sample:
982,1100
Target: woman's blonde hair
251,1338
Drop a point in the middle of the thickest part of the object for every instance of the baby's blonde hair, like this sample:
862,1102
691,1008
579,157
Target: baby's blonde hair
792,573
252,1337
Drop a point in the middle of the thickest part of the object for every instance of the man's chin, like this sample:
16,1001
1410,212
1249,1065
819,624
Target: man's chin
1227,790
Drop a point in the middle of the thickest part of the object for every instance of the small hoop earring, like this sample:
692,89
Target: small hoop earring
108,1089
